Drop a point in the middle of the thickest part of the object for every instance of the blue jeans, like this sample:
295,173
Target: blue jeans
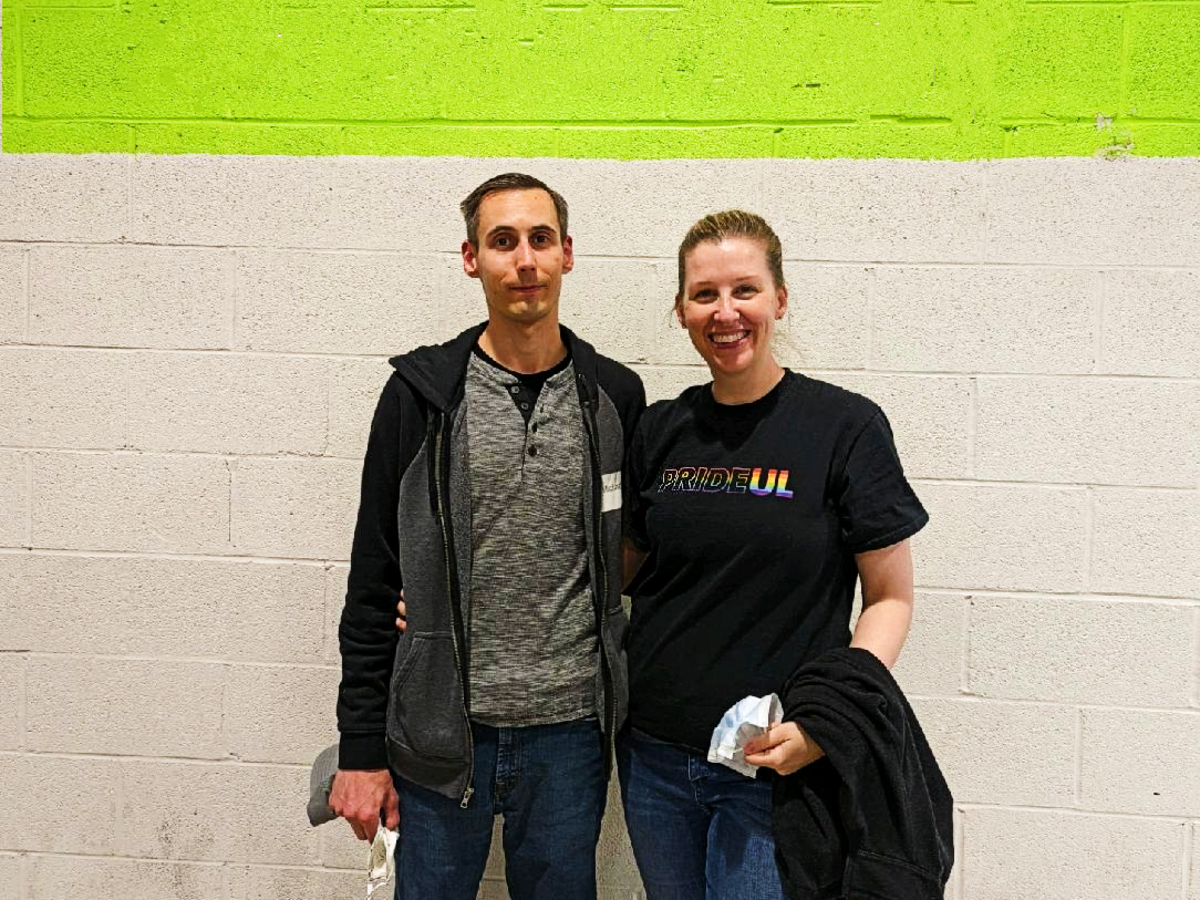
700,831
548,783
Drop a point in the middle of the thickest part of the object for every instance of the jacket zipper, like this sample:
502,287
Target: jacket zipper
452,592
610,702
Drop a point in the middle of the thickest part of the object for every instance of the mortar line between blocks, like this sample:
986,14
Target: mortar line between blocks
1098,322
22,875
1078,774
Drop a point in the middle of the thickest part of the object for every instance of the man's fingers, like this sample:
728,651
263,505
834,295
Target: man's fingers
391,811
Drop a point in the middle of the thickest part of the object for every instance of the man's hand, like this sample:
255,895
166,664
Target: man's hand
785,748
401,614
364,796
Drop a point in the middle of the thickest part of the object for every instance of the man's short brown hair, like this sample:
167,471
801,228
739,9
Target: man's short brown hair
509,181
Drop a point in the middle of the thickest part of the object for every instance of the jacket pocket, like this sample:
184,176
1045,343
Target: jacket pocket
425,708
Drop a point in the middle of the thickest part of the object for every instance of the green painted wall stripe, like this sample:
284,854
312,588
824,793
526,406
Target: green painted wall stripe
943,79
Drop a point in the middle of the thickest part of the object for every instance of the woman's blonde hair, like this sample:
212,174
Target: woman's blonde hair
719,226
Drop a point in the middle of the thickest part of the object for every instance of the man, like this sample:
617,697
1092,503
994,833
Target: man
491,497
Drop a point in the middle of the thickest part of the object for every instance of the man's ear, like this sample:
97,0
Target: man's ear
470,260
568,254
781,298
679,310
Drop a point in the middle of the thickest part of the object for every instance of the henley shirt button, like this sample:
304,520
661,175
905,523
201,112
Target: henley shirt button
533,451
515,389
524,405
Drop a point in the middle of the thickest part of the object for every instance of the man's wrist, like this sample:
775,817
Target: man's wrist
362,751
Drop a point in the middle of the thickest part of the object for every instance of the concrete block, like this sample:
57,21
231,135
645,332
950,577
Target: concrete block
643,208
240,611
354,389
51,197
1105,431
306,884
1002,538
158,297
984,320
1017,853
1099,656
664,383
1002,753
928,415
13,296
935,651
10,876
63,398
166,504
222,812
14,499
622,306
130,707
12,700
875,210
1155,769
340,849
274,201
299,509
280,714
411,203
350,303
825,326
73,878
1152,323
335,599
1144,542
45,792
228,404
1140,211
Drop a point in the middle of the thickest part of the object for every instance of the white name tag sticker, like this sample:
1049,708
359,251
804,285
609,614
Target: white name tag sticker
610,492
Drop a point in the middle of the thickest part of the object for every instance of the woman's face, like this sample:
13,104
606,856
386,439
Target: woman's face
730,304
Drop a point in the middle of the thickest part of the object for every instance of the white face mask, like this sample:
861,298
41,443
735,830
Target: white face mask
381,866
749,718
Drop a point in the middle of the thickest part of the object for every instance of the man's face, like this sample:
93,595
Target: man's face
521,256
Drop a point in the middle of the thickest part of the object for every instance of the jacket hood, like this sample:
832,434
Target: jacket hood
437,372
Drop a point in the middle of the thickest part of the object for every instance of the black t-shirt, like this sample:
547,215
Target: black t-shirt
751,515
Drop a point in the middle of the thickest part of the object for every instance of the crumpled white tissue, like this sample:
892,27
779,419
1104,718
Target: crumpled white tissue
746,719
381,867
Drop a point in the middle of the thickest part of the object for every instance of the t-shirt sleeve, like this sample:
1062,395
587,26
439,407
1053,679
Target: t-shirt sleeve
876,505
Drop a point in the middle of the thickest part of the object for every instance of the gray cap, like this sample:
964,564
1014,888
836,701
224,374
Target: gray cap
320,783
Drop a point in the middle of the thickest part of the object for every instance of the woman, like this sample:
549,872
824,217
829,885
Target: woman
757,501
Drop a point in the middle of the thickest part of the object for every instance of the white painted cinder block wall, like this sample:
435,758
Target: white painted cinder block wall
191,351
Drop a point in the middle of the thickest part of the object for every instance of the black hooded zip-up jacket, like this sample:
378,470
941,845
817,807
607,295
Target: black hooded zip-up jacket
404,699
873,818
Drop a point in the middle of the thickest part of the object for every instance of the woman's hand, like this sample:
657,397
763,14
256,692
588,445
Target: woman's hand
401,614
785,747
